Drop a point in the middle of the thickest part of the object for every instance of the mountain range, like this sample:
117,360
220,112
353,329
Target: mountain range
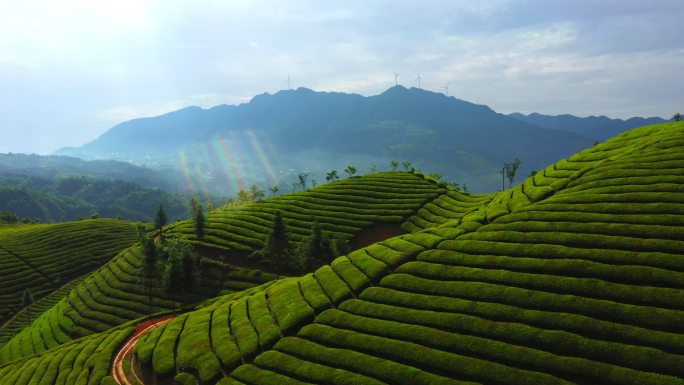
595,127
274,137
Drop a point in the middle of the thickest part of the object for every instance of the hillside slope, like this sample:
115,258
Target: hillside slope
575,276
112,295
45,257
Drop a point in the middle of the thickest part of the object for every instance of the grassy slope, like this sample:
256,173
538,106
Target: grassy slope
346,206
45,257
112,295
575,276
11,328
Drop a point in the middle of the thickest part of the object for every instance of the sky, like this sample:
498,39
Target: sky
72,69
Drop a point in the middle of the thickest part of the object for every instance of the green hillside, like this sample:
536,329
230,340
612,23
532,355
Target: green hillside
573,277
346,206
576,276
46,257
21,318
113,295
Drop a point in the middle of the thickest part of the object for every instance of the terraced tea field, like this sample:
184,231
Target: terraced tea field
113,294
347,206
575,276
46,257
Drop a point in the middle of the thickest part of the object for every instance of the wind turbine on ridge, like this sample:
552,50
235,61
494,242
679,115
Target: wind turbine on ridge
446,89
418,78
396,79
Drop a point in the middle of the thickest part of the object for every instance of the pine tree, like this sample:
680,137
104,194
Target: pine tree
200,219
160,221
26,301
317,250
277,248
340,245
148,271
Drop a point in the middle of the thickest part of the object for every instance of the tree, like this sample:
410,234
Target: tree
351,170
394,165
160,221
200,221
180,271
677,117
26,301
317,250
303,179
274,190
406,164
194,204
373,168
8,217
277,251
256,193
340,245
294,186
510,169
148,272
244,196
331,176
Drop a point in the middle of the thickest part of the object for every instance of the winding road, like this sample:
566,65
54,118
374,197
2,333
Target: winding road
126,352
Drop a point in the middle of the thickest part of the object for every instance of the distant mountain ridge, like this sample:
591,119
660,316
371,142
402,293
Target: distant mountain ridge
595,127
296,130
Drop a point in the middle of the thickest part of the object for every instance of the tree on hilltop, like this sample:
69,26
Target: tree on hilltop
394,165
331,176
303,177
274,190
406,164
351,170
160,221
26,301
510,169
677,117
256,193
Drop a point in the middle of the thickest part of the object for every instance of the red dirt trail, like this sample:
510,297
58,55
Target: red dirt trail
126,351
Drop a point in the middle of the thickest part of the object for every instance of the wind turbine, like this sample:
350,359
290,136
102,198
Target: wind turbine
446,90
418,78
396,78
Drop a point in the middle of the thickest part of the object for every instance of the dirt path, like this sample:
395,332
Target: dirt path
126,351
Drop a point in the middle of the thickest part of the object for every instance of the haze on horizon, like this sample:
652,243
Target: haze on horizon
70,70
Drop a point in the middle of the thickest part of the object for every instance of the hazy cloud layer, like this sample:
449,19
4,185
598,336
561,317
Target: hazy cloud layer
69,70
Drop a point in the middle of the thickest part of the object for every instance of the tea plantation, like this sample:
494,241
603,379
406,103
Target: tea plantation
113,294
575,276
46,257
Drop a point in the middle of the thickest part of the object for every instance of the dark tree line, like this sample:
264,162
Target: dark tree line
285,258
